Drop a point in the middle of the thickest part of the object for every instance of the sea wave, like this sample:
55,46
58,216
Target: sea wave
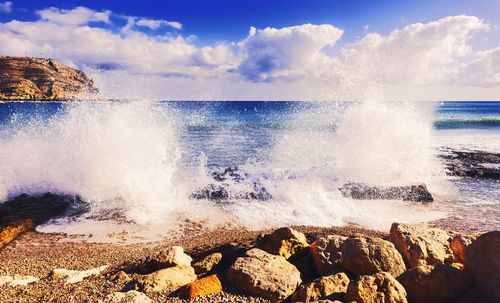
454,123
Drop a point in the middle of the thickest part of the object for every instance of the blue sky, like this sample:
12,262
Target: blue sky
208,46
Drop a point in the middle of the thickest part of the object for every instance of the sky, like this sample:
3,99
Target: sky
267,50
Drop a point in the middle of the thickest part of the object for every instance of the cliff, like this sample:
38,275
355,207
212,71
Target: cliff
25,78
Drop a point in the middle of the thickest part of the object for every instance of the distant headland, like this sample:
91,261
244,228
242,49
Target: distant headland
40,79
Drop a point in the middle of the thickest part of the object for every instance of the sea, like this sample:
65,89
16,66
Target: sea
152,168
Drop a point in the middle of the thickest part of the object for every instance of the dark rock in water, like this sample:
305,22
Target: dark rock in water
222,190
37,208
211,192
473,164
360,191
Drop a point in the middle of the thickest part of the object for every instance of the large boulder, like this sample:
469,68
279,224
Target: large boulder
327,287
172,256
378,288
363,255
434,283
326,252
482,258
264,274
168,279
421,245
202,287
458,244
285,242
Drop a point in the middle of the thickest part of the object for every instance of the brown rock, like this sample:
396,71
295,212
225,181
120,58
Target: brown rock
207,264
326,253
263,274
285,242
166,279
420,245
25,78
172,256
482,258
434,283
378,288
131,296
363,255
331,287
11,231
202,287
458,244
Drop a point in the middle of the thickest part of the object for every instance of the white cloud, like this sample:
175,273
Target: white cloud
288,52
301,62
77,16
155,24
6,7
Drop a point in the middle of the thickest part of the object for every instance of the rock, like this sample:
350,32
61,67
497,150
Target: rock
326,253
14,229
166,279
16,280
458,244
420,245
263,274
121,277
331,287
24,78
202,287
360,191
131,296
75,276
363,255
207,264
473,164
173,256
378,288
483,261
434,283
306,267
285,242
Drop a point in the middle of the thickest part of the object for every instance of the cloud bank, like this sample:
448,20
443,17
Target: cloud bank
298,62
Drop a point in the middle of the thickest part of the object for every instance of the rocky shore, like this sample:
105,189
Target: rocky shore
411,263
26,78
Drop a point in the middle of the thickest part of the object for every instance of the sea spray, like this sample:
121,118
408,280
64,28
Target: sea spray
114,155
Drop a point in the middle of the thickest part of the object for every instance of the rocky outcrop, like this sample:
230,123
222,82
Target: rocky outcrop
378,288
360,191
434,283
202,287
207,264
327,287
362,255
284,242
420,245
263,274
326,252
25,78
473,164
483,261
168,279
